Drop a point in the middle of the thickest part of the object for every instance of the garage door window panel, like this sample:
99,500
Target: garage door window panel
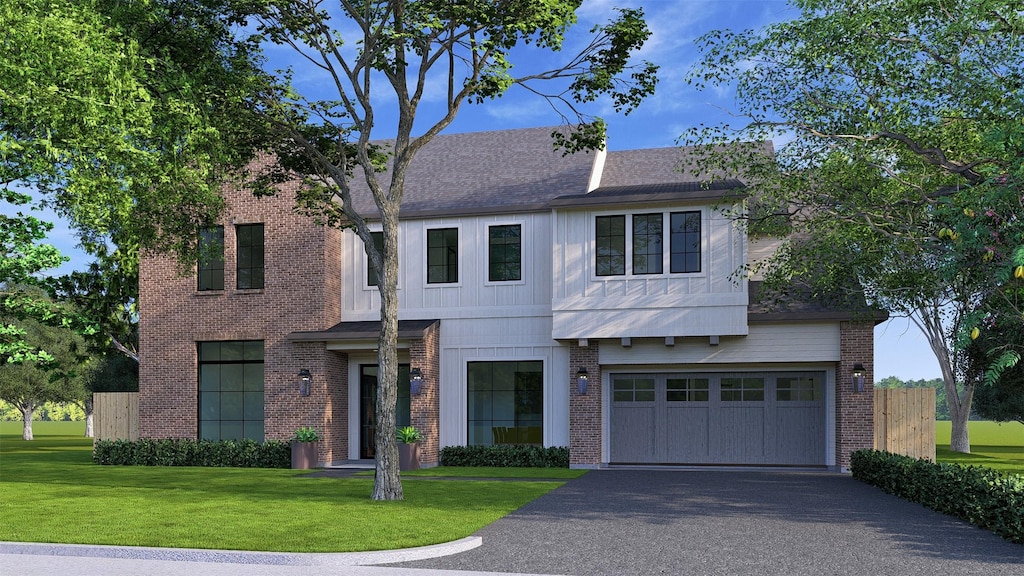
799,389
742,389
687,389
633,390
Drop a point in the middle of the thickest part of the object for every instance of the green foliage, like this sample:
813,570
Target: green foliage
981,496
113,372
506,456
48,412
188,452
306,434
408,435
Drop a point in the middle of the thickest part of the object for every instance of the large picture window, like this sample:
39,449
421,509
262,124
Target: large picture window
504,253
506,402
231,390
442,256
210,270
250,256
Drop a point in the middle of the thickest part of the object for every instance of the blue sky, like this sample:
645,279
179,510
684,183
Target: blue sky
900,350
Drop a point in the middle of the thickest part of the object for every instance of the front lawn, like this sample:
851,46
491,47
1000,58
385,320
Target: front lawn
50,491
994,445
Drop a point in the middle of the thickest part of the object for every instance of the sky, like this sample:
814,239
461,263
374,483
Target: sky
900,350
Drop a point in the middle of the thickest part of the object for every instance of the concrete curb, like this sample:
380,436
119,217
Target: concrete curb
244,557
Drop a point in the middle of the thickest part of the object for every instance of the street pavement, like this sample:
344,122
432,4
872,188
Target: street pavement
628,522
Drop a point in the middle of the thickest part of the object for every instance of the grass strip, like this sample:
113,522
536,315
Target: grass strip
488,472
51,492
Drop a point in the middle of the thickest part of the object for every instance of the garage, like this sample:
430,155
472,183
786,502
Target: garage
741,418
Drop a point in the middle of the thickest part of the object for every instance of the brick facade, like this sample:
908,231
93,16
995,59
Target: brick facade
303,281
854,411
425,408
585,415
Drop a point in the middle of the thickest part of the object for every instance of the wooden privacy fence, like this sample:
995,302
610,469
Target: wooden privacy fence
116,415
905,421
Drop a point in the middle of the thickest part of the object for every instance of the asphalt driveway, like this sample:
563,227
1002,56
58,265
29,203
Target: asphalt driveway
714,522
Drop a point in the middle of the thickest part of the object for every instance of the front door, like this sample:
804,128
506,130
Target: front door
368,406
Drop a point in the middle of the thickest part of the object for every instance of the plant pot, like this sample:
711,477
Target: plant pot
304,455
408,456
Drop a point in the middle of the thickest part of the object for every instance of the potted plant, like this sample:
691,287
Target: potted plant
304,448
408,448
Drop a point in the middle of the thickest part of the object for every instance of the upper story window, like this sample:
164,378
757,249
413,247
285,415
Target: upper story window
250,256
378,243
642,238
210,270
442,255
505,253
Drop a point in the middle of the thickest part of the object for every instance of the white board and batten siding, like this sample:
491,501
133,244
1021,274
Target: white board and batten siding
473,295
507,339
710,302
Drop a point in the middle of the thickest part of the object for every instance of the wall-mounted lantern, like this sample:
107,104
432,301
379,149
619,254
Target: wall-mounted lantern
858,378
581,381
415,381
305,382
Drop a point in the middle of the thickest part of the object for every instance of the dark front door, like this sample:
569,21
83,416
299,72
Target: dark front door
368,406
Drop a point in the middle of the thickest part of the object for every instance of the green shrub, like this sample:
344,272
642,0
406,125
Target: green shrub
188,452
981,496
506,456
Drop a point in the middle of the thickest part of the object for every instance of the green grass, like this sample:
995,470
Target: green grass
993,445
51,492
42,428
489,472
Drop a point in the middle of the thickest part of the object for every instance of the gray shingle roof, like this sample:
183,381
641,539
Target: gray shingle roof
481,172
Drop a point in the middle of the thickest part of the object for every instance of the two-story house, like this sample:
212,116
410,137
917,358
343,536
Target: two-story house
589,301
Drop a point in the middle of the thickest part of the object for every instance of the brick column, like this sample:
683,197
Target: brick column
855,412
584,411
425,408
326,407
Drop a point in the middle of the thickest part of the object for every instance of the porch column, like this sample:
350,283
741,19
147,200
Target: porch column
425,407
584,410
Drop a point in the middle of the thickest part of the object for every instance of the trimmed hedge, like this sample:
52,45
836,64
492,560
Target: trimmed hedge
506,456
982,496
188,452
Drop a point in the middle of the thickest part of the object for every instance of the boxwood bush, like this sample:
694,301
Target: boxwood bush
506,456
187,452
982,496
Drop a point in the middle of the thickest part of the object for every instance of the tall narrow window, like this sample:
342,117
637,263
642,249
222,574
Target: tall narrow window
505,253
685,242
442,255
378,243
231,390
610,241
210,270
250,256
647,241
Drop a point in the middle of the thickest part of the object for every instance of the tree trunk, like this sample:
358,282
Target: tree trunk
959,415
28,409
387,483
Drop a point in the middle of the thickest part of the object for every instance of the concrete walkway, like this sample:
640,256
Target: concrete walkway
628,522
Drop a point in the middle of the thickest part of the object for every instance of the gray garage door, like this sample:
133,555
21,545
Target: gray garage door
775,418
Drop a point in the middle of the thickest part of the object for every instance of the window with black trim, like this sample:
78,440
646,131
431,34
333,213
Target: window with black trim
646,246
249,256
610,241
685,242
442,256
504,253
505,402
378,243
231,390
210,269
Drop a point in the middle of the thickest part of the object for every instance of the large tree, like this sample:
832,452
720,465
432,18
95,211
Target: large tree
386,53
902,162
33,382
125,117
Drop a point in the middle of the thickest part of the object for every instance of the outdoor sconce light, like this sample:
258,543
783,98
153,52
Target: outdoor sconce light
858,378
581,381
305,382
415,381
